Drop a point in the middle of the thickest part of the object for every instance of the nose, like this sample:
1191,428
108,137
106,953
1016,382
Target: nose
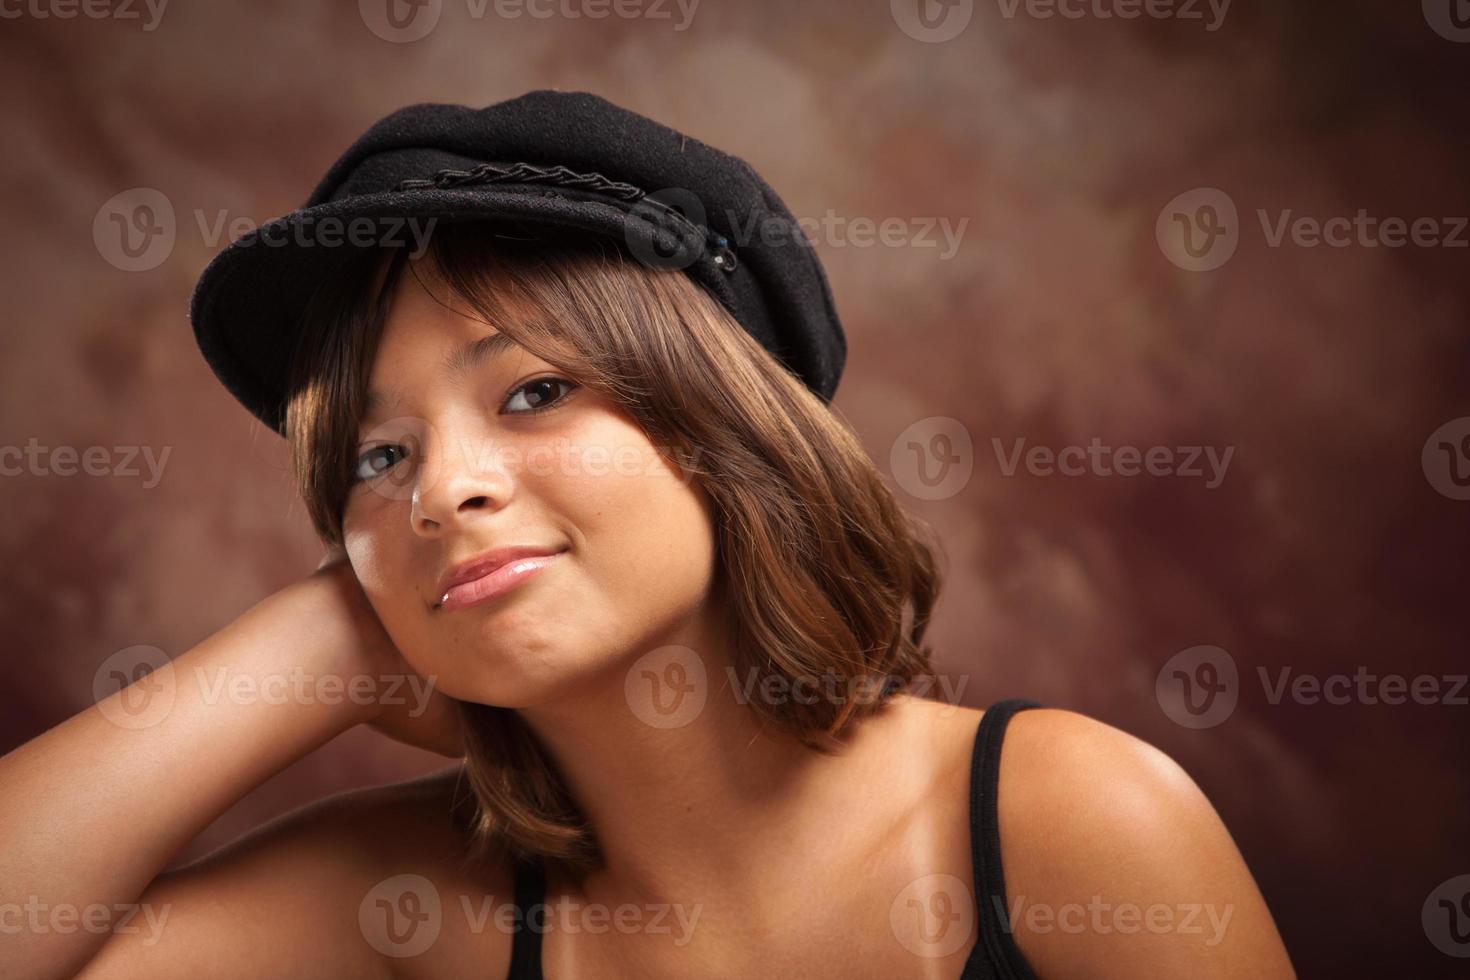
463,479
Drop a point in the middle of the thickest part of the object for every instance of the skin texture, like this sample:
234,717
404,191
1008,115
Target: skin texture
784,862
491,474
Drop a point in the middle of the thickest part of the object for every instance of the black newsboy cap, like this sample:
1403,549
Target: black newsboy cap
570,161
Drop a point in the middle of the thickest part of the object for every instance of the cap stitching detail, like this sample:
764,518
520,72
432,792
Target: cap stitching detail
524,173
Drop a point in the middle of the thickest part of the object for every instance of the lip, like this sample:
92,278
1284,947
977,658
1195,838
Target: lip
491,574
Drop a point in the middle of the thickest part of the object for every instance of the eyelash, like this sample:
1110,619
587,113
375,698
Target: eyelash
570,386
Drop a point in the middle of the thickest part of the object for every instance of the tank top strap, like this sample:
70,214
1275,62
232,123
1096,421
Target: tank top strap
525,949
996,953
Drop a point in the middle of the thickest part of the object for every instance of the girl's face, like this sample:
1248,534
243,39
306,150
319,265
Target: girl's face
461,454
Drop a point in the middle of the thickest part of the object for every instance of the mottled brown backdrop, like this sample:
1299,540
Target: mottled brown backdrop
1055,146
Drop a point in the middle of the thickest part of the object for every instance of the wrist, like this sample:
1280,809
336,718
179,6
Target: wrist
310,643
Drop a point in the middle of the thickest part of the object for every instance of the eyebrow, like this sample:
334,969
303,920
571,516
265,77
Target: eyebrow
457,362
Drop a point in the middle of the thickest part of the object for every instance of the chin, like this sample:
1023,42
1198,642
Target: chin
517,691
538,673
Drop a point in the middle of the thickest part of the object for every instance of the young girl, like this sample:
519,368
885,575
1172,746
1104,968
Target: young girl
669,619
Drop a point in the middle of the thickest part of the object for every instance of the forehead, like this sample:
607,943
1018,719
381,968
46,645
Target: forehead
423,305
428,328
425,312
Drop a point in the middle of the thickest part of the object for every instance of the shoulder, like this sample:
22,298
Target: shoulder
410,823
1057,755
1115,860
354,879
412,832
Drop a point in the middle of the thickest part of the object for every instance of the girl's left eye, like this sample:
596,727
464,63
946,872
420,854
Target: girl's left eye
537,395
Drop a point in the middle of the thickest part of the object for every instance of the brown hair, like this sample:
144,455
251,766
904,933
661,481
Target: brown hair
822,572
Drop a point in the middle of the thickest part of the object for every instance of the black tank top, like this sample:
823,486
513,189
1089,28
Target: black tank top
994,956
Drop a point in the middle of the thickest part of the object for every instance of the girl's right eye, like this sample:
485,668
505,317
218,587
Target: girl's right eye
372,463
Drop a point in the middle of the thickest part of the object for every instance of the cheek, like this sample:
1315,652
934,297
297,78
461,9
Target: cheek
645,527
366,547
379,567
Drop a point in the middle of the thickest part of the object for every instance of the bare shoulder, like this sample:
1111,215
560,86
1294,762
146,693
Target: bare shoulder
364,832
1116,863
373,882
424,804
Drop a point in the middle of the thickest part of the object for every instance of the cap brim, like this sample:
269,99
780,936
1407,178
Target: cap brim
247,306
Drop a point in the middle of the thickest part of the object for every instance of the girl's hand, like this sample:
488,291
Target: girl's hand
432,724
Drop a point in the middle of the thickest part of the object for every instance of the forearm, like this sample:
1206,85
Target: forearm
93,809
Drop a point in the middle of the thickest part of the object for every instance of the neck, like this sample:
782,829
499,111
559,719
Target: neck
681,795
